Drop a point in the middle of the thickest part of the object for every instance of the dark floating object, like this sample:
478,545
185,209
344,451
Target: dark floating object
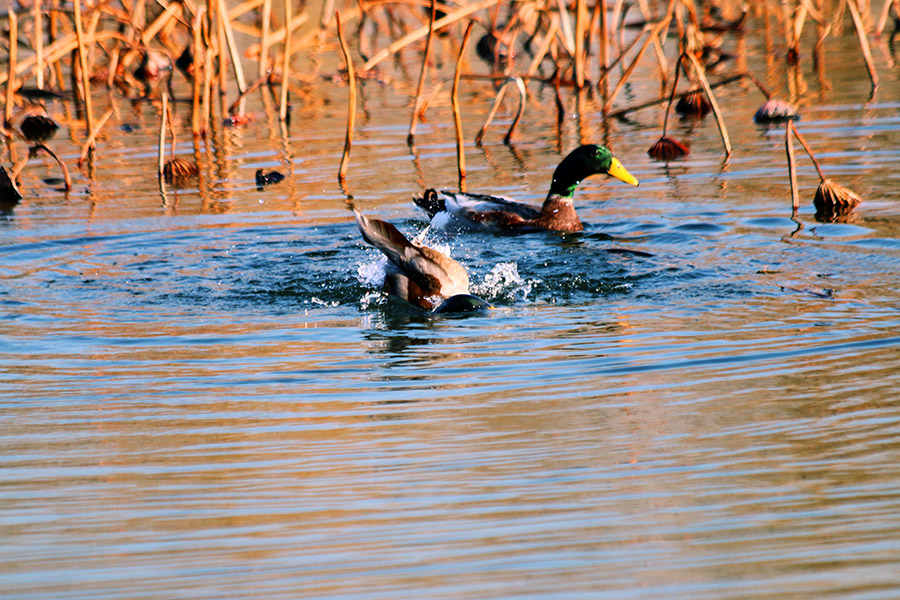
179,171
264,179
834,202
38,128
693,104
37,94
152,65
775,111
486,46
185,62
668,149
9,193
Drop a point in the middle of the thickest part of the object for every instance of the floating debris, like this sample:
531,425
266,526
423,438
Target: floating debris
775,111
693,104
179,171
39,128
264,179
667,148
834,202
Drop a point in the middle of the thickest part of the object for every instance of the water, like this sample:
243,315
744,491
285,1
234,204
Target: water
205,395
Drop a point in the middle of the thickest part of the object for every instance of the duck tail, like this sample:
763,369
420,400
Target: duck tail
431,202
383,236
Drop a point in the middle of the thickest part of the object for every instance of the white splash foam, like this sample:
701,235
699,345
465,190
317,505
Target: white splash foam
371,273
441,220
504,281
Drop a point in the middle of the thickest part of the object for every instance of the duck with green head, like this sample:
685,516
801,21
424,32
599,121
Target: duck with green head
479,211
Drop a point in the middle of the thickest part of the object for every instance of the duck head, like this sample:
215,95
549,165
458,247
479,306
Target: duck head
583,162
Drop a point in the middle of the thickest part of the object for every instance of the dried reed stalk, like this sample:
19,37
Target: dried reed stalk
286,74
86,148
264,38
863,42
421,32
604,47
701,74
457,120
580,25
544,47
654,31
232,46
885,13
82,61
33,151
415,113
11,81
351,113
792,168
197,27
162,136
499,97
39,44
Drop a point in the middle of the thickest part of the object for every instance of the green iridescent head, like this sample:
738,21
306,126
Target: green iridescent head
583,162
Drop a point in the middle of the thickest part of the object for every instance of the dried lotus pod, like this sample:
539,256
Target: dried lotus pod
668,149
693,104
178,171
37,129
775,111
833,201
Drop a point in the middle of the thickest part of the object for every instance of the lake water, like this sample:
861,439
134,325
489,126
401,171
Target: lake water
205,395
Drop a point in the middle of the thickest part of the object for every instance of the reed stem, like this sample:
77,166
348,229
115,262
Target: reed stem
162,135
11,79
39,44
286,69
351,112
415,113
264,38
792,169
82,61
806,148
457,119
863,42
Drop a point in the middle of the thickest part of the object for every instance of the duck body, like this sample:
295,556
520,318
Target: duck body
500,215
492,213
417,274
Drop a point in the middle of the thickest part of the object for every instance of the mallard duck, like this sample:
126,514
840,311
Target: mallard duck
479,211
420,275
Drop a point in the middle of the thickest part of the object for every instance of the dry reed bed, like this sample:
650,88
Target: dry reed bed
135,48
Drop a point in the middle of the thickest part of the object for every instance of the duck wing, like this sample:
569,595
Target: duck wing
479,210
433,272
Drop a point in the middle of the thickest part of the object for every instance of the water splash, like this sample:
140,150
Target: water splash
503,282
371,272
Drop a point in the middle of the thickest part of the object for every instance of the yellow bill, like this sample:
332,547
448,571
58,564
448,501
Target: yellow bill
617,170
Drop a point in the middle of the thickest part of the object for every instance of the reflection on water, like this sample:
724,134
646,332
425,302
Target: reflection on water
205,394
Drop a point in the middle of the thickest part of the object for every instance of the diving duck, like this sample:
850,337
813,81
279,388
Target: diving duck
478,211
420,275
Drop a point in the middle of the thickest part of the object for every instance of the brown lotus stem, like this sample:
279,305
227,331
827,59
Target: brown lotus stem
83,63
264,38
792,169
206,101
415,113
197,26
232,46
671,96
86,148
421,32
648,104
11,80
698,69
437,87
863,42
351,113
65,171
162,135
499,97
457,120
653,32
545,46
39,44
286,74
580,25
806,147
604,46
885,13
